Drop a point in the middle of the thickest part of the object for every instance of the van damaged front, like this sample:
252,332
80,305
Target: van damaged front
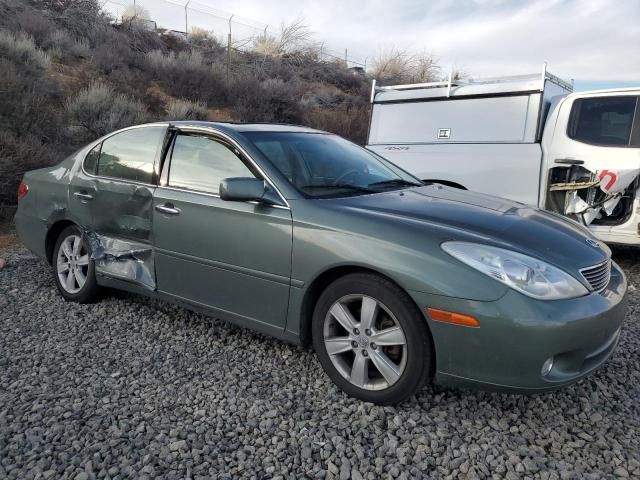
595,196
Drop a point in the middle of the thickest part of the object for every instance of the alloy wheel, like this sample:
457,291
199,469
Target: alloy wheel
365,342
72,264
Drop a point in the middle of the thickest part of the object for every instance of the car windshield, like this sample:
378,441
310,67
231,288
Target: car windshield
324,165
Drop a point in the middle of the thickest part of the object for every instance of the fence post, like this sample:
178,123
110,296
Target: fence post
229,48
346,60
186,20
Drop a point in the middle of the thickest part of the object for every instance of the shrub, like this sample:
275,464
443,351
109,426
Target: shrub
99,110
29,102
203,38
18,154
400,66
187,74
185,110
62,46
345,120
21,48
33,23
134,12
110,76
270,100
267,45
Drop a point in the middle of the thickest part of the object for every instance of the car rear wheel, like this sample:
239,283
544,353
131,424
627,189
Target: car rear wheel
371,339
74,270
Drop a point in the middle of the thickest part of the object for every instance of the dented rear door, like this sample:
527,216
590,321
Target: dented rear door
122,204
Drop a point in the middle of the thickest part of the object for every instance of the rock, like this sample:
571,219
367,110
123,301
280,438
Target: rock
179,445
198,398
620,472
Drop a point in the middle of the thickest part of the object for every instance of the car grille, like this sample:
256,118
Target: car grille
598,276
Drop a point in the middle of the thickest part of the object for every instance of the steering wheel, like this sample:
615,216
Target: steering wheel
346,174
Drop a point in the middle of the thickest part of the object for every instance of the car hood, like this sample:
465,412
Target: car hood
455,214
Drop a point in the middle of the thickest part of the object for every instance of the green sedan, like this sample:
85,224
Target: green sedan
309,238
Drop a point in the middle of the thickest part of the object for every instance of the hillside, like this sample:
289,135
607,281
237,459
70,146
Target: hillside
69,75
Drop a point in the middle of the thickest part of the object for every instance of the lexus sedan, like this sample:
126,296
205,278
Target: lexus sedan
309,238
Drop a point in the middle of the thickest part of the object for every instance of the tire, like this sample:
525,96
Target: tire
395,319
71,258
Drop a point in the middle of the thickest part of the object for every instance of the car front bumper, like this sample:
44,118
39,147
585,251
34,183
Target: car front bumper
517,334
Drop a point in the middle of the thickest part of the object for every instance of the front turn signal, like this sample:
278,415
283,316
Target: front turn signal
452,317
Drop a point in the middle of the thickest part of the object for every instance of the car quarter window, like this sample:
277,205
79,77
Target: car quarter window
603,121
91,160
200,163
130,155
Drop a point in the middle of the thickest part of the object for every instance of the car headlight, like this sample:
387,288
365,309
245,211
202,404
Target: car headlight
525,274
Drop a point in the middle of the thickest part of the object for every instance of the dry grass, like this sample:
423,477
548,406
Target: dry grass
8,240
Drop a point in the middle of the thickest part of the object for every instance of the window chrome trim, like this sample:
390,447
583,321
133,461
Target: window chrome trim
215,195
186,128
213,131
106,137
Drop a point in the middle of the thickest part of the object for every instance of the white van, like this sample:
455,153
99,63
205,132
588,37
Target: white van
527,138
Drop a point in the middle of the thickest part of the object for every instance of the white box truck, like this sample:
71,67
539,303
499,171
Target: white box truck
527,138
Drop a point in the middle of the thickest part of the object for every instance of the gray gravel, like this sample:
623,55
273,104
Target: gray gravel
132,388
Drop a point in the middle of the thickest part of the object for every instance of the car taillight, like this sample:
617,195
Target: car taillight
22,190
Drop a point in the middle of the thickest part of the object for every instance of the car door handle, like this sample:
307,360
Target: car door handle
569,161
83,196
168,209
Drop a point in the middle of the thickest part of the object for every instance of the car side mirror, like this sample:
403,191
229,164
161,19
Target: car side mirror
242,189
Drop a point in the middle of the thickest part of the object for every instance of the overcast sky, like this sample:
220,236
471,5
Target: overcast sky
596,42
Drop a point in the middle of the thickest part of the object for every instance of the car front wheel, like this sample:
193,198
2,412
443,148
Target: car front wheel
371,339
74,270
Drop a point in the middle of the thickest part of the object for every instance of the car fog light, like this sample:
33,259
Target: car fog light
547,366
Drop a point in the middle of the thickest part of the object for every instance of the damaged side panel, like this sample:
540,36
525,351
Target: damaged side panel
593,196
122,259
111,198
120,236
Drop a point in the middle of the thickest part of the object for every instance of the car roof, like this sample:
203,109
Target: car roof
248,127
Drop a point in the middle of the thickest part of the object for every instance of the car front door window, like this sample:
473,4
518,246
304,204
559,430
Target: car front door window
200,163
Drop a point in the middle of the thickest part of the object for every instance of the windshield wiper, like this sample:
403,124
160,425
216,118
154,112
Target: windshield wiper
396,182
344,186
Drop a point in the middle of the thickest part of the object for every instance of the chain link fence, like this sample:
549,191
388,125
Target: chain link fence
181,16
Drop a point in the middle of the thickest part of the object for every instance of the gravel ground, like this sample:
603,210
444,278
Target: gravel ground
132,388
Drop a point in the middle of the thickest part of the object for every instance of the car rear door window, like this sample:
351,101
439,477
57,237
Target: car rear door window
130,155
603,121
200,163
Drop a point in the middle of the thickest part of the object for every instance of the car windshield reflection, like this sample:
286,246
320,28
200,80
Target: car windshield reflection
323,165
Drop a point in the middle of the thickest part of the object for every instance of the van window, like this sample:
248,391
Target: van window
130,155
200,163
603,121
